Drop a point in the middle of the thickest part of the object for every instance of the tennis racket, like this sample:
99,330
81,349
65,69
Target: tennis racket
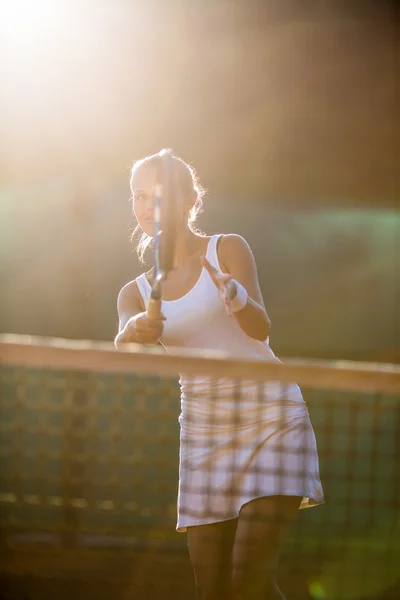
165,220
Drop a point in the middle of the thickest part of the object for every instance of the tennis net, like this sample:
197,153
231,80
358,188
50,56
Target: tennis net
89,451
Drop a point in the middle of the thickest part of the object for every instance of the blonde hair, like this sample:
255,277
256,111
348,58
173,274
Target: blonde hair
187,182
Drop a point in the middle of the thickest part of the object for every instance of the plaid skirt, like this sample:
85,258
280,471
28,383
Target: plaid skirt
222,468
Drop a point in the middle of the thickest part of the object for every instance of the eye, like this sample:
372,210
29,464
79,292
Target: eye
140,197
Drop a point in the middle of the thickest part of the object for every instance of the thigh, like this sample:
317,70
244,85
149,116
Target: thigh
210,551
261,529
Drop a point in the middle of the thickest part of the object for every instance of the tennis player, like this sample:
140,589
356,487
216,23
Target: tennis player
248,462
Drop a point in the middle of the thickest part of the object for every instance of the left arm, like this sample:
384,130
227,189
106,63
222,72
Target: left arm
237,262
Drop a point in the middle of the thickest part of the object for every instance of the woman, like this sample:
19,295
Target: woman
245,467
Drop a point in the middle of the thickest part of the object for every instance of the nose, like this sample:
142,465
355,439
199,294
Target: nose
149,203
149,207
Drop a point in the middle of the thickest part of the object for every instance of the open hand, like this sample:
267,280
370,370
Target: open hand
224,282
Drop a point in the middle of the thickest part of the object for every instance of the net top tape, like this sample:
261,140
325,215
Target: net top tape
102,357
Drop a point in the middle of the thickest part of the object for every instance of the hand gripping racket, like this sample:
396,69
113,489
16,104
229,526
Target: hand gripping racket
165,220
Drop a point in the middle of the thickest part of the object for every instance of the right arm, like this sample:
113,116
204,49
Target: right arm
134,325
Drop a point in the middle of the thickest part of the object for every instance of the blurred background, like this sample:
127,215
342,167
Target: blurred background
285,108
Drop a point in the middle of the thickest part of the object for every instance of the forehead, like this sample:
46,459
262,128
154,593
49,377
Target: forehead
144,177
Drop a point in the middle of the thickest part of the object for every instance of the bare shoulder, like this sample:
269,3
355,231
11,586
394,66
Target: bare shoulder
129,298
234,242
233,248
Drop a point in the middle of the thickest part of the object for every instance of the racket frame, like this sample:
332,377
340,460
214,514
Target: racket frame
162,191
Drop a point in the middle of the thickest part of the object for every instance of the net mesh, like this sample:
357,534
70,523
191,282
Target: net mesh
90,459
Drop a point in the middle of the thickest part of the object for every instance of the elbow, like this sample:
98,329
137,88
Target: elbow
265,329
259,332
259,328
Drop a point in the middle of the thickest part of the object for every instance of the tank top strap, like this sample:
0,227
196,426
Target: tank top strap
144,287
212,251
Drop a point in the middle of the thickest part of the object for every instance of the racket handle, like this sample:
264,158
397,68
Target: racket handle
154,308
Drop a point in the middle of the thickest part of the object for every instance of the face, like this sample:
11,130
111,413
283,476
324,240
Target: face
143,185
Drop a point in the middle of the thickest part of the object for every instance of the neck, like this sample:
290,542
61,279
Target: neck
186,243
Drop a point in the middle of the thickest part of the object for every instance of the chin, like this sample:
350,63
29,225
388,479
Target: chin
148,228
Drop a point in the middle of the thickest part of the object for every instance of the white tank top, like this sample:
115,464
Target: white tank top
198,320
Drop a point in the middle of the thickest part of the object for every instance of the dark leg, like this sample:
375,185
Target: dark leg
210,551
262,527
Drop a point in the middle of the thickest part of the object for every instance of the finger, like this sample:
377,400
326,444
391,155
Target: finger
127,338
228,307
150,328
147,338
212,270
154,322
215,274
226,301
162,317
225,277
217,278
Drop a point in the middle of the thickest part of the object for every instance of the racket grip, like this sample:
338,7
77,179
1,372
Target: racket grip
154,308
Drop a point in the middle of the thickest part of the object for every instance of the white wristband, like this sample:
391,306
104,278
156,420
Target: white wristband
240,300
